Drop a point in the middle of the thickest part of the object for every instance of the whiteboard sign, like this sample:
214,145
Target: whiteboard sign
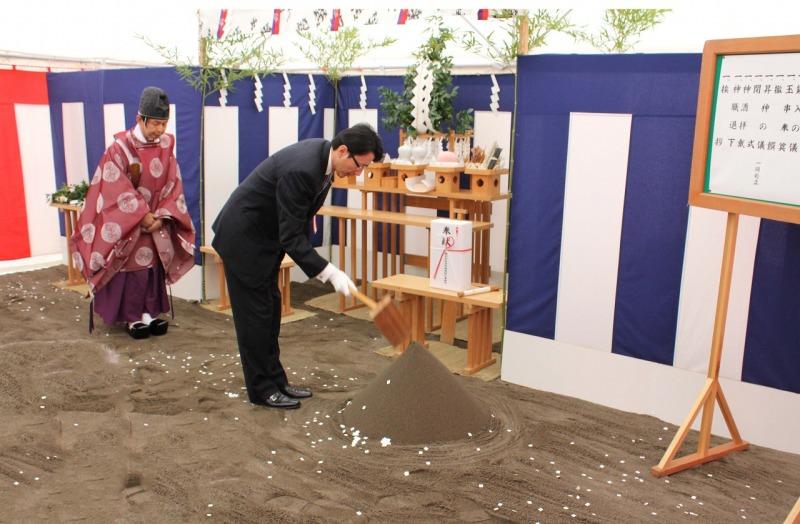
746,156
755,145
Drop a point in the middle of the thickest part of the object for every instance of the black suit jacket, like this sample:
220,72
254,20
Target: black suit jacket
269,214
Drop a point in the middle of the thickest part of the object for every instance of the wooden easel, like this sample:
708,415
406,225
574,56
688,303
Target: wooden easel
711,393
735,202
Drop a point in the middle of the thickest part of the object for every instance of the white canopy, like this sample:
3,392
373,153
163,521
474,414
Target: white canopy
86,34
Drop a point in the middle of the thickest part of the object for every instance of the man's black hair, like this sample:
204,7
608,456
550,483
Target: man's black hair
360,140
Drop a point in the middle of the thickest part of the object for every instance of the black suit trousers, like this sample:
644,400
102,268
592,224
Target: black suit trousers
257,317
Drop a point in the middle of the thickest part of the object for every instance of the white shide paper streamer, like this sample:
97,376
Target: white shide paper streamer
312,95
287,91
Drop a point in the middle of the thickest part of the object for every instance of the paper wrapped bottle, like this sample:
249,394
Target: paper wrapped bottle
451,254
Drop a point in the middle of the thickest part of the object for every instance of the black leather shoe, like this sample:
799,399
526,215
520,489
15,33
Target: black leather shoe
296,391
279,400
138,330
158,327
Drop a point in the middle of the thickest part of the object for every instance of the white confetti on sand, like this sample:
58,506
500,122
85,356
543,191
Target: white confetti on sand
386,441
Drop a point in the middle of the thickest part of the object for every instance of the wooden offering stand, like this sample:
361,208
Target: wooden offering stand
375,173
405,171
484,181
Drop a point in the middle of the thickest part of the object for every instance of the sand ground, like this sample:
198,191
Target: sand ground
102,428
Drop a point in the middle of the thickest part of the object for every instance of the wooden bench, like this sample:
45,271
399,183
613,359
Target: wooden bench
412,291
284,282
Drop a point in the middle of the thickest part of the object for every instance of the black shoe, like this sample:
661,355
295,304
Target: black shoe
158,327
295,391
138,330
279,400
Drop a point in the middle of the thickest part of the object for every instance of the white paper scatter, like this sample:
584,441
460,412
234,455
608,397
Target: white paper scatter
231,394
480,485
406,473
388,381
386,441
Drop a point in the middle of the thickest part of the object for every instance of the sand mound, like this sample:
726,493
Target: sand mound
415,401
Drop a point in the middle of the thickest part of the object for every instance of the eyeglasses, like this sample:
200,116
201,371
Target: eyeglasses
359,166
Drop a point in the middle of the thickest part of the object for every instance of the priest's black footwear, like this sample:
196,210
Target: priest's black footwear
279,400
295,391
158,327
138,330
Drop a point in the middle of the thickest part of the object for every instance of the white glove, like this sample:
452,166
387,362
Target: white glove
338,279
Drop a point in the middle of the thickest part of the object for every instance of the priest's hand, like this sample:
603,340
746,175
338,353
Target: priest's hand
147,221
155,226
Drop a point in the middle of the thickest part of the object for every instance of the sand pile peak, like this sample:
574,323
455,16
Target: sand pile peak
416,400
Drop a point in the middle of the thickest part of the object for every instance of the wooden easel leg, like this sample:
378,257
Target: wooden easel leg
794,515
680,436
726,414
712,392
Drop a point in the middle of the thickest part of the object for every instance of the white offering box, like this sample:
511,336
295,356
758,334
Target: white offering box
451,254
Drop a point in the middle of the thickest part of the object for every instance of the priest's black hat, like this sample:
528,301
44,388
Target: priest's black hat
154,103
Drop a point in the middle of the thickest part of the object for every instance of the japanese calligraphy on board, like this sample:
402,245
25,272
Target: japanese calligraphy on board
746,156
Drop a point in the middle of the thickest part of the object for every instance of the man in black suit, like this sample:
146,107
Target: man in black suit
268,215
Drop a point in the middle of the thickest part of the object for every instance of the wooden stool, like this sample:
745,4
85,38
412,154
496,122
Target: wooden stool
284,282
74,276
